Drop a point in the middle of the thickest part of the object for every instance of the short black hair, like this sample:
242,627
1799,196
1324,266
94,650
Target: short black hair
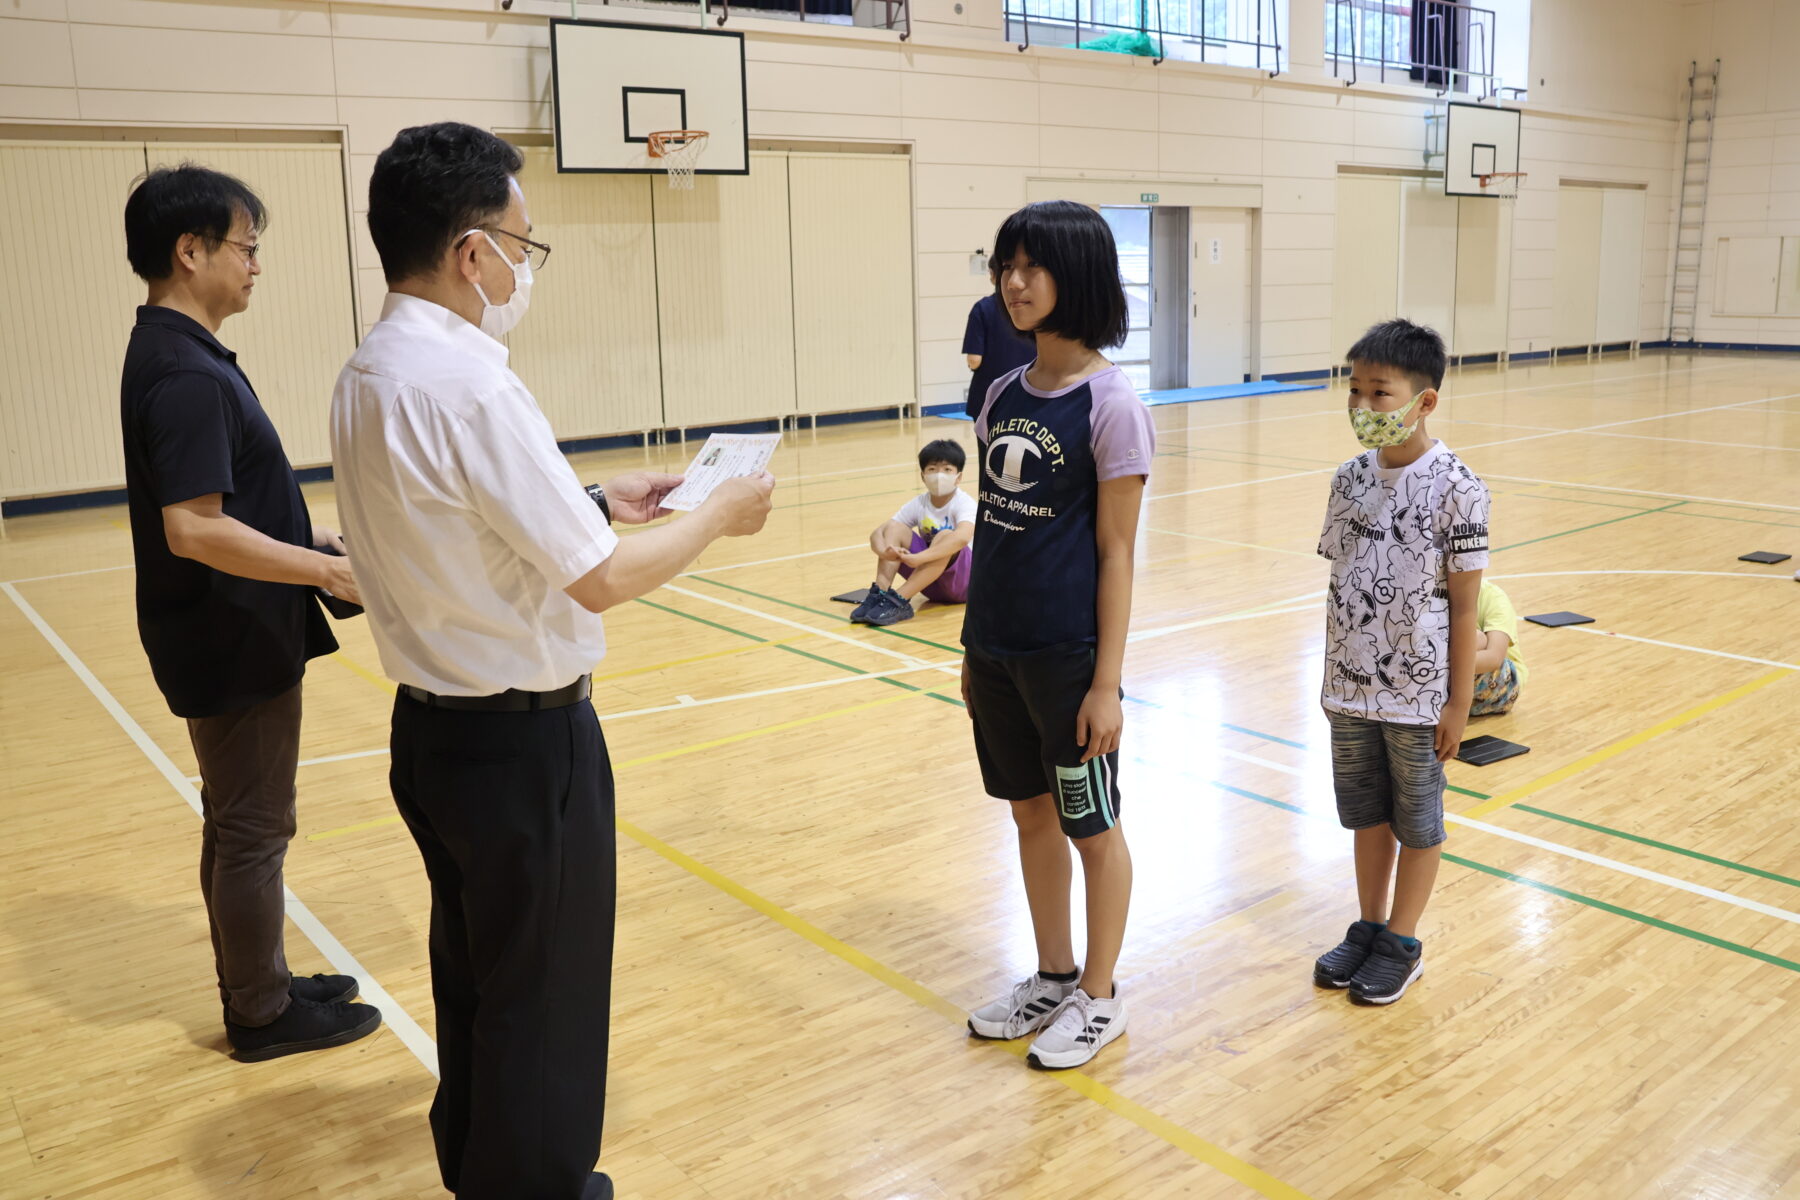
435,183
943,450
1415,349
170,201
1074,243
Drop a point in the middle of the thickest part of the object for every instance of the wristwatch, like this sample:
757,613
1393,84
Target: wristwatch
597,493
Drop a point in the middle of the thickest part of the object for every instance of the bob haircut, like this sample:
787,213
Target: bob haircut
1415,350
171,201
1074,243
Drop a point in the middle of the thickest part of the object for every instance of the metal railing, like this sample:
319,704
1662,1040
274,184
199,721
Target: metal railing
1445,44
1237,32
897,17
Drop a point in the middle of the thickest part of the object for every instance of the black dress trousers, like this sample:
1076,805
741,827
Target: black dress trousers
513,814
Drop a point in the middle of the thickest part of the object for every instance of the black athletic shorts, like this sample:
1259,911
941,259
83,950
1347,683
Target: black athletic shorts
1024,708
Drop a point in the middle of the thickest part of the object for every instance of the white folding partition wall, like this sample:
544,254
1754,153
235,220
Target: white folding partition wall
59,393
69,314
725,292
1367,287
851,233
588,350
1599,266
1406,249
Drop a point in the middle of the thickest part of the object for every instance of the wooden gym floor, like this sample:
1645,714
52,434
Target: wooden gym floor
813,887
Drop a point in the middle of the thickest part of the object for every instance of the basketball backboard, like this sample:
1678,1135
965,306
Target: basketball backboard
616,84
1478,140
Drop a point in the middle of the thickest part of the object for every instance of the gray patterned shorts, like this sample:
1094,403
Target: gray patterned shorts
1387,774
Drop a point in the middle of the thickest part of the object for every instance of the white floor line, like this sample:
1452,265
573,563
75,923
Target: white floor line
73,574
1291,605
340,958
763,562
1716,574
1652,437
950,667
1601,487
329,758
908,659
1756,906
1766,662
1542,387
1668,416
1221,487
1201,537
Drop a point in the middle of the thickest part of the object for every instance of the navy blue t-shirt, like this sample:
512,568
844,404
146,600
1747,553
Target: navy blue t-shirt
992,335
193,426
1034,579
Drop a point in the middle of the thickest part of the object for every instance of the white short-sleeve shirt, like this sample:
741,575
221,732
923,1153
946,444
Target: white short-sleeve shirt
463,519
1394,537
928,519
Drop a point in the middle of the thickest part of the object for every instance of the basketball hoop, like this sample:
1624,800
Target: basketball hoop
680,151
1504,184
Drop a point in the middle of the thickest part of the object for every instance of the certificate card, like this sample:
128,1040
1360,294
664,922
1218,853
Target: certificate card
725,456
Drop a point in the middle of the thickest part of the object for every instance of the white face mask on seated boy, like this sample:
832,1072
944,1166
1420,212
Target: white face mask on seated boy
941,483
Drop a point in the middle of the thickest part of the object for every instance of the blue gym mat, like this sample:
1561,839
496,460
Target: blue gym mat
1222,391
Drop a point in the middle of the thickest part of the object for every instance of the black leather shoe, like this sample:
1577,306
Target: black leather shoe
304,1026
599,1187
324,989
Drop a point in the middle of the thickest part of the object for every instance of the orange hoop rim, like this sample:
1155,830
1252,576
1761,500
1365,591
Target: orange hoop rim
659,147
1484,177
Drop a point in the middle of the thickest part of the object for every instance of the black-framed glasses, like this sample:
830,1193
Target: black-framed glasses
537,252
250,249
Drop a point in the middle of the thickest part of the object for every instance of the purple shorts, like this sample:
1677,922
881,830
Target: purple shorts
952,587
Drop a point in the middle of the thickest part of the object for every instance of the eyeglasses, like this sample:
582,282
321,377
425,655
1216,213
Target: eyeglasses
537,252
249,249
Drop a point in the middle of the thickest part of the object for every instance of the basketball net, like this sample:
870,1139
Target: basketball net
1504,184
679,151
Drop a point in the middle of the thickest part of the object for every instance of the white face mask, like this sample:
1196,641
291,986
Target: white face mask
498,320
940,483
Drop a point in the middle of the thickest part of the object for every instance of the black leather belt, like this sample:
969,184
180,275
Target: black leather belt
508,701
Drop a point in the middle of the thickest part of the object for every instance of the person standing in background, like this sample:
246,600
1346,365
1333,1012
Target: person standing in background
992,346
227,557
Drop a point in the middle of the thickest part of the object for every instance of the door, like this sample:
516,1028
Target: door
1219,282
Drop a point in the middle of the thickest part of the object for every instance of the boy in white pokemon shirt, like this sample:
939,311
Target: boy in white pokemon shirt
1406,534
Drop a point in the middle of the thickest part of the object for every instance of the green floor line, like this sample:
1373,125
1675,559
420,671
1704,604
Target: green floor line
1671,848
1256,733
1552,889
1582,487
821,613
1584,528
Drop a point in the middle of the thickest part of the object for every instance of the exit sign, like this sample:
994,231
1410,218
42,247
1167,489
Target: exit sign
1149,198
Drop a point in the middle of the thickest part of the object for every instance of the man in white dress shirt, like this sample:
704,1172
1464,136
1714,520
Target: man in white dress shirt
484,567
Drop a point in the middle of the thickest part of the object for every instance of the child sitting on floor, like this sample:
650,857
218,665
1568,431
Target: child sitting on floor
1499,667
926,543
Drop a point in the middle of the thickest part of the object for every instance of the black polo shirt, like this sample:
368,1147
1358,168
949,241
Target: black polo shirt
192,424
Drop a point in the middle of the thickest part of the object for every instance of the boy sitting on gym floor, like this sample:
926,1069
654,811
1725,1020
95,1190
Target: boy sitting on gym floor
1499,667
926,543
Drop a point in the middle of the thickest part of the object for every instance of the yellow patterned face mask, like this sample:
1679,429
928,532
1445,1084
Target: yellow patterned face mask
1378,429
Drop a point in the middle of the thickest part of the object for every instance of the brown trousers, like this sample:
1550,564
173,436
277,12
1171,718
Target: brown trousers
247,764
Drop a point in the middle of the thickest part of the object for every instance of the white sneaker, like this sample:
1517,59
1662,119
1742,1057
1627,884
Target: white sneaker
1077,1031
1026,1009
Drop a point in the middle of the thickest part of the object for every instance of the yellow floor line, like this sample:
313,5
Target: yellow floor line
1623,744
357,668
663,755
1186,1140
682,662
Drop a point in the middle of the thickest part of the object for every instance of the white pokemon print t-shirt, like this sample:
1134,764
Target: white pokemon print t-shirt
928,519
1394,536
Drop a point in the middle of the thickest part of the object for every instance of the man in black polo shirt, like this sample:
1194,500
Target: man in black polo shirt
226,563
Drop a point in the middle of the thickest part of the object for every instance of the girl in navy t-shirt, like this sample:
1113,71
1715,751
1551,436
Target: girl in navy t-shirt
1065,450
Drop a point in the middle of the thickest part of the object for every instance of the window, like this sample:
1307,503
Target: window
1451,46
1131,233
1243,33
